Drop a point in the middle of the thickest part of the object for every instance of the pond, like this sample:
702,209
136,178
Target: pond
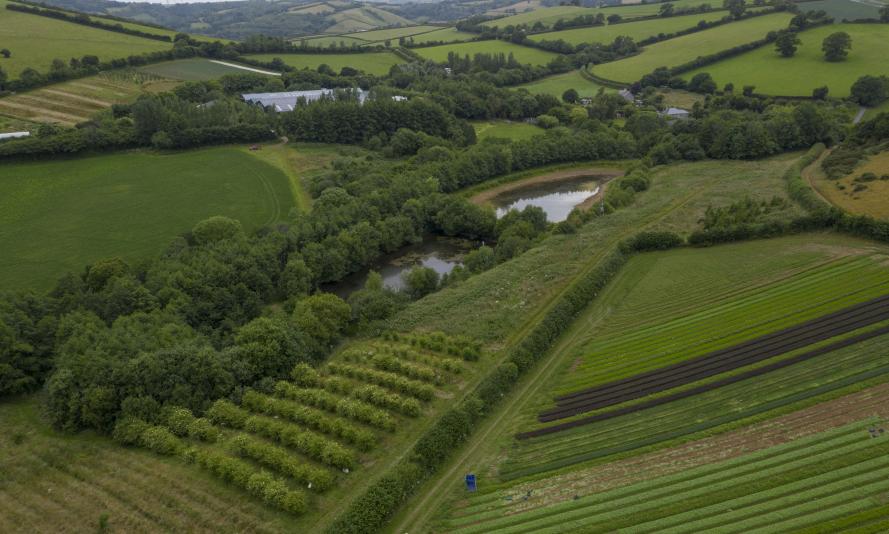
438,253
556,198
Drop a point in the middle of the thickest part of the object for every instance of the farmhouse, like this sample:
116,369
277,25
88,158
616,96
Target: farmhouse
286,101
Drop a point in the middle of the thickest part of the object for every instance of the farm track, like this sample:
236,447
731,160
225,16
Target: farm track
706,387
720,361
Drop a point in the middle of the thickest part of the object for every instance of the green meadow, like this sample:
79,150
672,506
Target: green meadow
675,52
800,74
445,34
557,84
392,33
505,130
549,15
57,216
36,41
637,30
191,70
377,63
523,54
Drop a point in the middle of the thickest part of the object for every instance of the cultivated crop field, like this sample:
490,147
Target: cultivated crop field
127,204
550,15
807,70
523,54
557,84
191,70
851,193
36,41
675,52
377,63
637,30
318,436
505,130
71,102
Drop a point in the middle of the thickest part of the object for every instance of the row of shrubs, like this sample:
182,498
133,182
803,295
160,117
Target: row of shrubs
306,376
181,422
392,381
386,362
448,364
462,346
309,443
351,409
281,461
309,417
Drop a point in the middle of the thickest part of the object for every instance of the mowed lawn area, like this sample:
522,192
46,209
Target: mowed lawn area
36,41
58,216
637,30
557,84
523,54
807,70
505,130
377,63
675,52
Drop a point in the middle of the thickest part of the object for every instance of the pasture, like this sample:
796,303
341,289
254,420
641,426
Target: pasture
331,40
557,84
505,130
807,70
846,9
446,35
550,15
523,54
72,102
377,63
392,34
59,482
365,18
191,70
675,52
637,30
853,194
57,216
36,41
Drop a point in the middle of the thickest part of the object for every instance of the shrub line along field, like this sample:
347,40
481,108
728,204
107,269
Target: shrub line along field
523,54
723,360
636,30
772,74
557,84
550,15
680,50
377,63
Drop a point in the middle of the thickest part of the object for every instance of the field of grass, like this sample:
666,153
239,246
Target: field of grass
807,70
392,34
523,54
191,70
36,41
377,63
557,84
675,52
10,124
505,130
57,216
872,198
365,18
452,35
335,40
873,112
549,15
846,9
69,103
637,30
57,482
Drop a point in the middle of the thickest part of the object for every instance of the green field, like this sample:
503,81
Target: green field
523,54
72,102
58,216
845,9
557,84
637,30
365,18
549,15
675,52
446,35
807,70
377,63
505,130
335,40
36,41
191,70
376,36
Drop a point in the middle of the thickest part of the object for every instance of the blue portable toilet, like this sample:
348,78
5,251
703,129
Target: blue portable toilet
470,482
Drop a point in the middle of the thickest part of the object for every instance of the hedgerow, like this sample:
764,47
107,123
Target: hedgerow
385,362
281,461
380,397
356,410
224,413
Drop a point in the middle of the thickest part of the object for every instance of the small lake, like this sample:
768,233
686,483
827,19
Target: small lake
438,253
556,198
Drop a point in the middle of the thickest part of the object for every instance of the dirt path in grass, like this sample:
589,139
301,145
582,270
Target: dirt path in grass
605,173
808,175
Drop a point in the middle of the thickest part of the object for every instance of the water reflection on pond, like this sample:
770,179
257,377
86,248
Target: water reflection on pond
438,253
557,199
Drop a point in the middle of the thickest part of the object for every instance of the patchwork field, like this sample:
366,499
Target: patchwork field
452,35
557,84
365,18
56,482
550,15
69,103
523,54
853,194
379,36
675,52
377,63
847,9
505,130
637,30
58,216
36,41
191,70
807,70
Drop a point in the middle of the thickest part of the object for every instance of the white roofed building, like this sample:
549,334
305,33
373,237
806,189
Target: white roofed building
286,101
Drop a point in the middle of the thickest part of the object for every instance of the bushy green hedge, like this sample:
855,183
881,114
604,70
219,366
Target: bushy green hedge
797,188
351,409
281,461
312,445
388,380
370,511
651,241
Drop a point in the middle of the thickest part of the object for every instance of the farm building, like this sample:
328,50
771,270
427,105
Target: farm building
627,95
675,113
13,135
287,101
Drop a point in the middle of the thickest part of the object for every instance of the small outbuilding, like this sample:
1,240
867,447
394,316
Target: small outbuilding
675,113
